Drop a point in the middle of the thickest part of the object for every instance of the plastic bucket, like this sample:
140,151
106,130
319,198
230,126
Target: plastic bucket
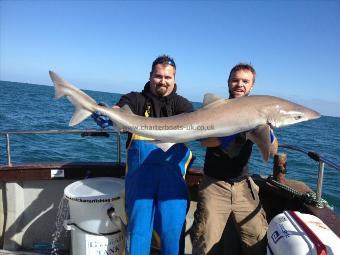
93,230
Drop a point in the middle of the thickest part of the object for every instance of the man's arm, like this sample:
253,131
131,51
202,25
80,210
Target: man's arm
104,121
211,142
226,140
129,99
218,141
183,105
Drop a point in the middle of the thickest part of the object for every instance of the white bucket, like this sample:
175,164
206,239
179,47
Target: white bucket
93,232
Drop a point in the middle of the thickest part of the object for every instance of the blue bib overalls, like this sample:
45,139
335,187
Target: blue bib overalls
156,195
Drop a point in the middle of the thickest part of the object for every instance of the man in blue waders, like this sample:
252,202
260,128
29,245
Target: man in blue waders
156,192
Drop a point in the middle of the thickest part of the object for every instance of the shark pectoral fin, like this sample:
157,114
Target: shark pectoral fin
261,137
163,146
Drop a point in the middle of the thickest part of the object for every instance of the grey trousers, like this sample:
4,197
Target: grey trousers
219,200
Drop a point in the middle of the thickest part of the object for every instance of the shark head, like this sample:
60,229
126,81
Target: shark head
286,113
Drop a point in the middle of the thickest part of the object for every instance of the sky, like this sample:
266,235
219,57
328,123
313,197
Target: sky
110,45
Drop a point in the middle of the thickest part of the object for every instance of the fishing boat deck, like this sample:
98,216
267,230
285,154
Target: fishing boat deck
274,199
31,193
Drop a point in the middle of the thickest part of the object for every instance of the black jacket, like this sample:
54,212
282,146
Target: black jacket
155,106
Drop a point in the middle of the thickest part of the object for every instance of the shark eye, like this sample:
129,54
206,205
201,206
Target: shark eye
297,117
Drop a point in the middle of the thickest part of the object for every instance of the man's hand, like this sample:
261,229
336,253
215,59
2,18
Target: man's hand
274,143
211,142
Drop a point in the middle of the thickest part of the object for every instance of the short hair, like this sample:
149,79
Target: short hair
242,66
163,60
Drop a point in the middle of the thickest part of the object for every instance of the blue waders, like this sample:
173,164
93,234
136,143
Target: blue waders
156,195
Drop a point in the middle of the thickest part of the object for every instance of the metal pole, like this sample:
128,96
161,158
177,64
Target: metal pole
320,158
320,180
119,157
8,148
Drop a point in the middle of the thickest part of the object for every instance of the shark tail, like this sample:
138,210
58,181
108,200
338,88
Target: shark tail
75,96
80,114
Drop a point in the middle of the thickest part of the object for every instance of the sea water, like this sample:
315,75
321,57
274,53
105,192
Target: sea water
31,107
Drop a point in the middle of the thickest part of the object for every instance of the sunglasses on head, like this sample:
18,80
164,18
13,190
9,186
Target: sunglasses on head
167,62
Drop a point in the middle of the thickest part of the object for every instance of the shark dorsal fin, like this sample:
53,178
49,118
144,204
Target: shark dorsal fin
126,109
210,98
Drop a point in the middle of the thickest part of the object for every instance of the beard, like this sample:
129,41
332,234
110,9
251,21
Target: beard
161,90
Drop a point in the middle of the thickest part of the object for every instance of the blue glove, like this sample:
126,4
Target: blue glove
101,120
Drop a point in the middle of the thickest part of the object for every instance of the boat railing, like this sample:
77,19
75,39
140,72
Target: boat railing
94,132
318,158
83,133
